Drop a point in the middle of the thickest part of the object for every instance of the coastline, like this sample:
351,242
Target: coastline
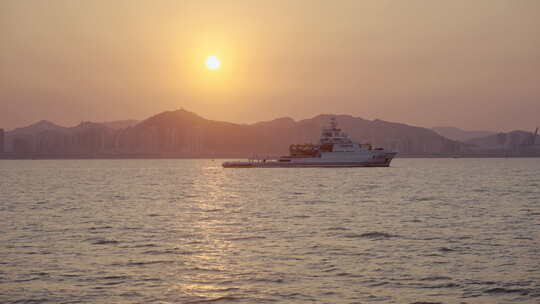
36,156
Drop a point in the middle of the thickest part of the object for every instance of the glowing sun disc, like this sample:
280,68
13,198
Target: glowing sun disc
213,63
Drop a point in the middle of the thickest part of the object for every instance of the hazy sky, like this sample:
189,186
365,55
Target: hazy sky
469,63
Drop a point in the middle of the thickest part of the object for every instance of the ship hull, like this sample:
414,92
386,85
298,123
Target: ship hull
310,163
300,165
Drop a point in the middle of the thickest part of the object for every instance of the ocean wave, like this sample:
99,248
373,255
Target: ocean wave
99,228
247,238
105,242
435,278
446,285
422,199
502,290
212,210
300,216
38,252
168,251
375,235
113,277
446,249
337,229
218,299
267,280
143,263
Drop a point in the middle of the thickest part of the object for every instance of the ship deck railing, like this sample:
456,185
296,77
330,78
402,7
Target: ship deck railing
262,159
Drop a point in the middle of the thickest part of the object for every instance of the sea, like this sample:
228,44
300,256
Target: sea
433,230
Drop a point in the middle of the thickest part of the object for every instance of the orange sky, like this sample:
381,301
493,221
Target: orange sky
473,64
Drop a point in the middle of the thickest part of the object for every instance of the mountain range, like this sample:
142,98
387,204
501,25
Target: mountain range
182,133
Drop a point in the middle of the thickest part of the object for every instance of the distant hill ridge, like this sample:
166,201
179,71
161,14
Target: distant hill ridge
42,125
460,134
186,133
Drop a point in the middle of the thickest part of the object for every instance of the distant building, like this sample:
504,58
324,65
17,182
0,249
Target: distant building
2,141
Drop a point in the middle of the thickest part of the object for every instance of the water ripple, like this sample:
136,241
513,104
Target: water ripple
423,231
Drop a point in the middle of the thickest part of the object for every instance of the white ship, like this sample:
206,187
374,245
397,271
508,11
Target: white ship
335,149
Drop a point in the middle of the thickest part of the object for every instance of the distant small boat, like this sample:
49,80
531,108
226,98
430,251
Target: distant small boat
335,149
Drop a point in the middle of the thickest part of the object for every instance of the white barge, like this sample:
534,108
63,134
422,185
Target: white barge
335,149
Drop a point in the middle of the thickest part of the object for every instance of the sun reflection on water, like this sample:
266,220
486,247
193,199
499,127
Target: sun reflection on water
210,271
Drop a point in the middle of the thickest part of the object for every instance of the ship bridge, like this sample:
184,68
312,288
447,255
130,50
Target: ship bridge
333,140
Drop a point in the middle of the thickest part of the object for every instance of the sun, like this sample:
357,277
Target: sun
213,63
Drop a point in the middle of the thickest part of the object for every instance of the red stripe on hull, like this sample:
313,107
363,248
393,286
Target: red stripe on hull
305,165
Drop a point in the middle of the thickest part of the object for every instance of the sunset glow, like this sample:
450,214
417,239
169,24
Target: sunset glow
472,64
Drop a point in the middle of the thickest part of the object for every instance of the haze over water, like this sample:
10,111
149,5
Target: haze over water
189,231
